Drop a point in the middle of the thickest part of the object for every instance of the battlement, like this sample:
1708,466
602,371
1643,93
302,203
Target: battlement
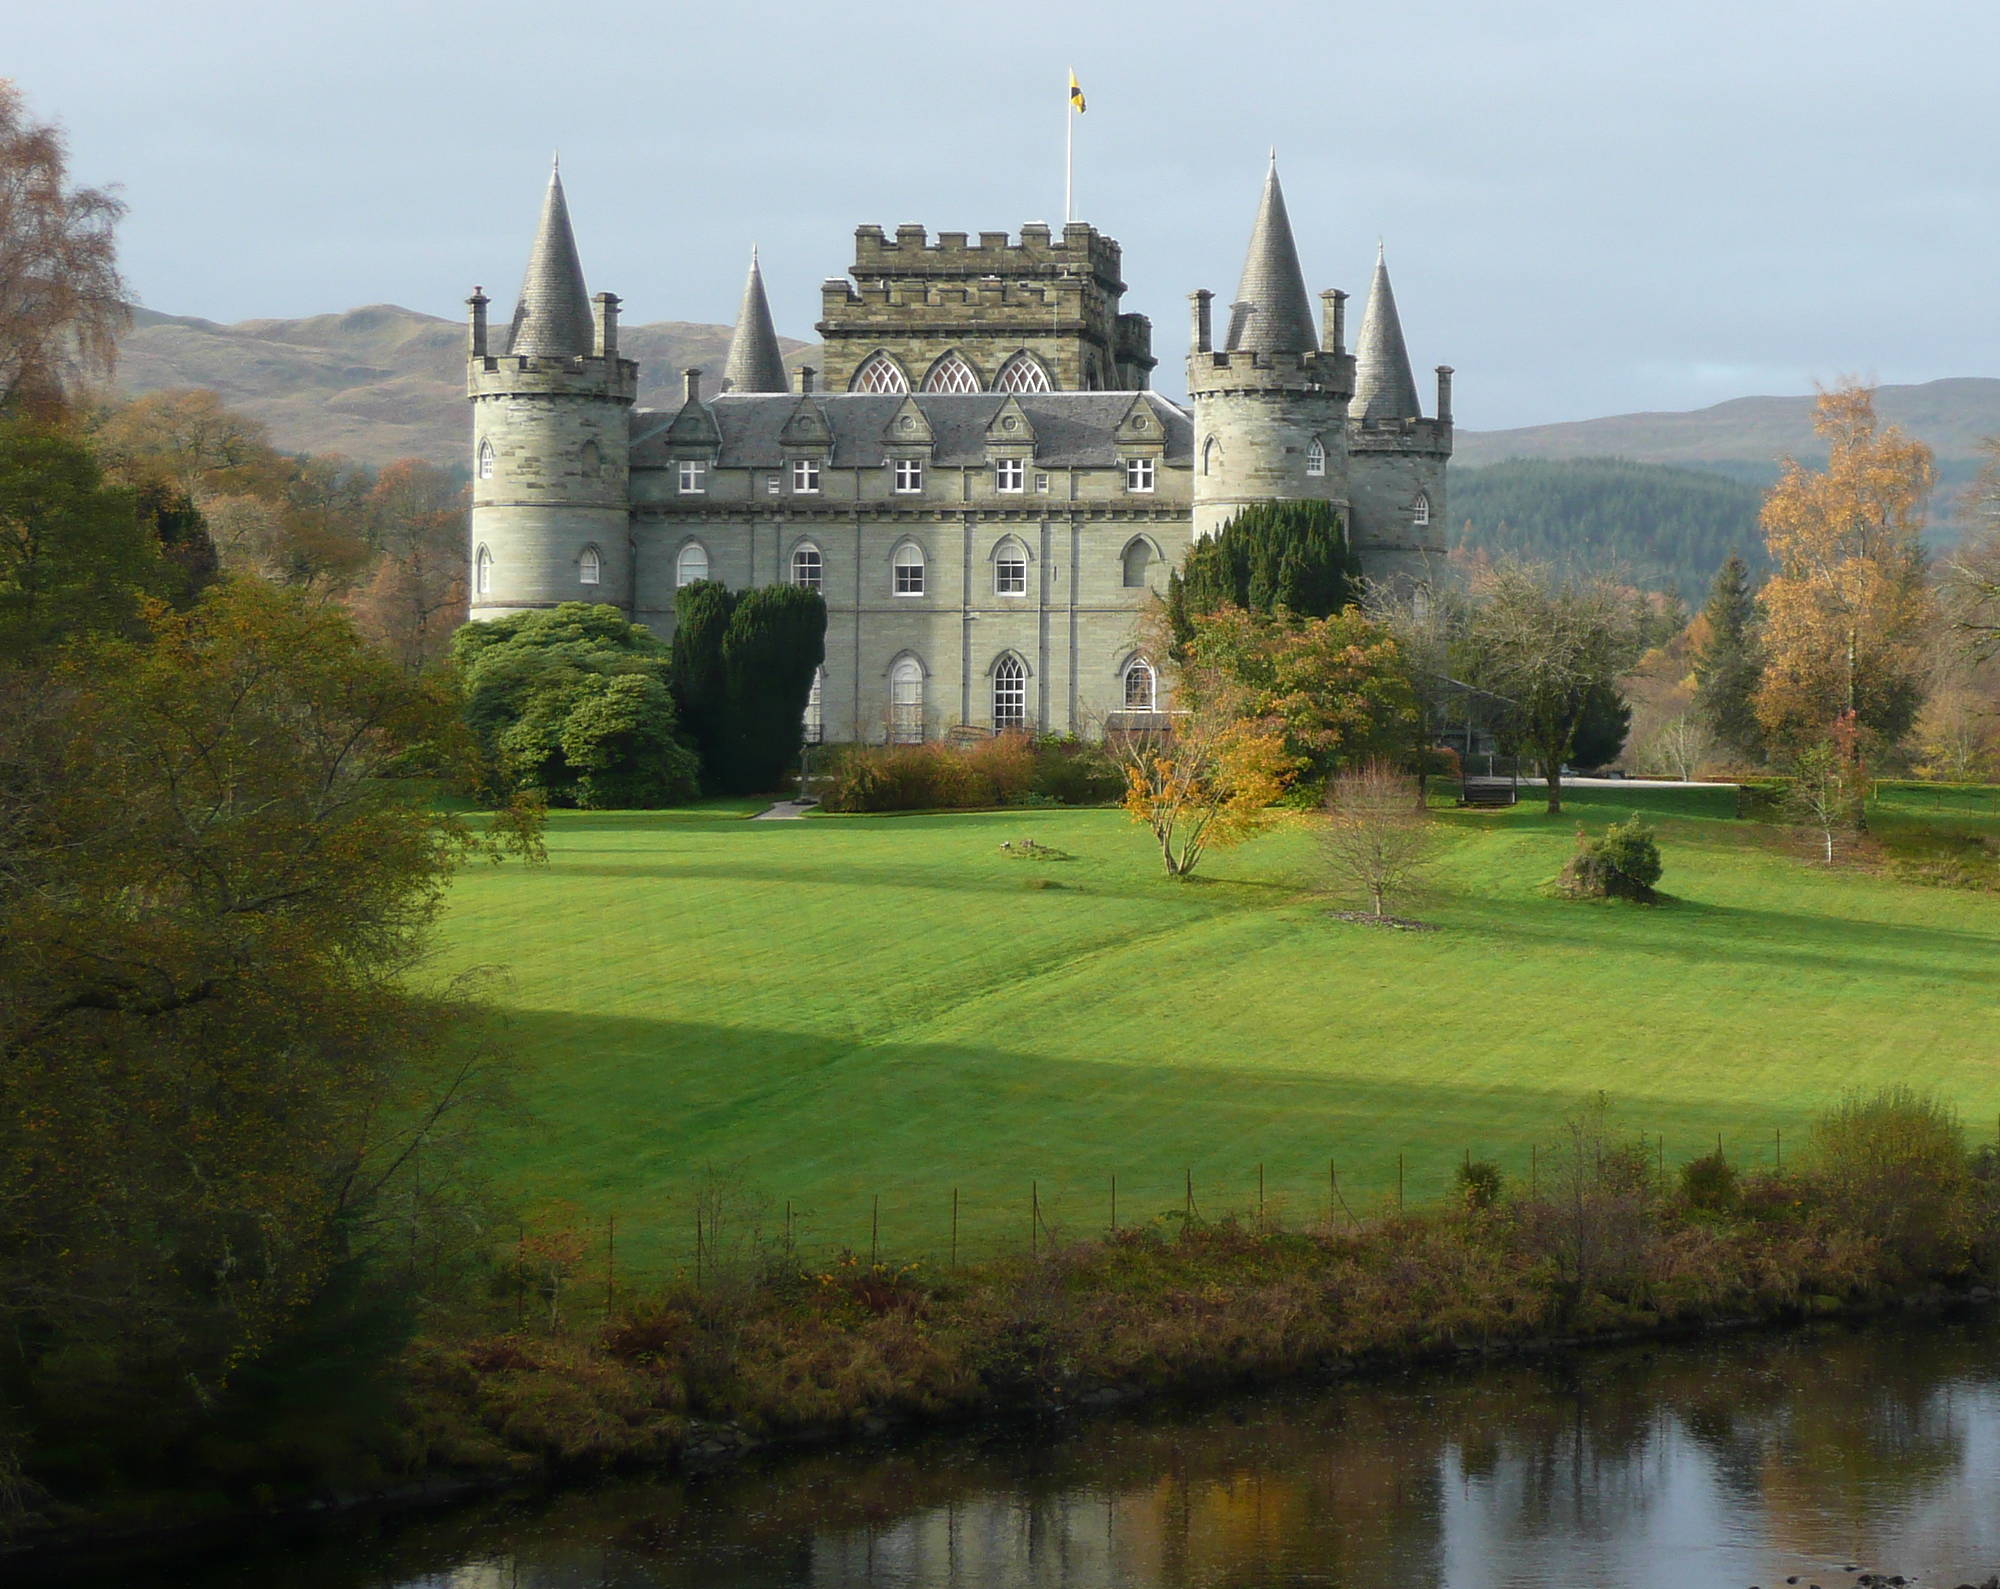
1216,372
1432,436
1039,252
508,375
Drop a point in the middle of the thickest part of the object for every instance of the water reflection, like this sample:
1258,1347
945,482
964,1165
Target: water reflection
1738,1463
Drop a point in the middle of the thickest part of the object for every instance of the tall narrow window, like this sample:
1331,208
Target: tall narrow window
879,373
815,718
1139,685
951,374
1138,474
482,573
1211,455
1010,474
1138,558
909,475
806,568
1023,373
590,566
909,571
694,477
1316,458
805,476
1010,570
906,702
486,460
591,461
1421,513
1010,695
692,564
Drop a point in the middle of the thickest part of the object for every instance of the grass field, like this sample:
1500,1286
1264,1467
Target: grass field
850,1008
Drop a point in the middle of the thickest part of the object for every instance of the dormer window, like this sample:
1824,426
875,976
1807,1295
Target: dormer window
1010,474
1316,458
909,475
694,477
1421,512
805,476
1139,474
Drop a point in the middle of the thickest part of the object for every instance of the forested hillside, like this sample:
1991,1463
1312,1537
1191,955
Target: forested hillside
1664,528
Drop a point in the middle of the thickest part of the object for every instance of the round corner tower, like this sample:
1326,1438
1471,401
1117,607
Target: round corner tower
1270,404
551,439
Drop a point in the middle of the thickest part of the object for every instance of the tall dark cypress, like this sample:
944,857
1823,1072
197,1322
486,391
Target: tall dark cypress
1276,554
701,619
774,644
1730,664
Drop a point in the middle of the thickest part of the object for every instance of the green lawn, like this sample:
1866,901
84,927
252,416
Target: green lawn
847,1008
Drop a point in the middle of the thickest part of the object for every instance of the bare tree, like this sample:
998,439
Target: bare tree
62,300
1376,836
1683,743
1424,617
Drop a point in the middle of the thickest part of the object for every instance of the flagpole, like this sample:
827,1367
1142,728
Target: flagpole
1069,157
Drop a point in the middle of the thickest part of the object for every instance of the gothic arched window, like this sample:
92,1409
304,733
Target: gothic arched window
692,564
486,460
1140,685
590,566
1316,458
1010,569
593,461
482,572
908,568
1420,513
1211,455
951,374
1023,373
1010,694
906,701
1137,558
806,568
879,373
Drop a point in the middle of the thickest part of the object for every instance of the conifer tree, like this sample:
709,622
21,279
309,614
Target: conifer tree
1293,555
1730,663
701,618
773,646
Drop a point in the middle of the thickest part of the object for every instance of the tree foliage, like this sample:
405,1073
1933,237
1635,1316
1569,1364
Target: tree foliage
1729,663
1847,608
1377,836
62,300
772,648
1290,555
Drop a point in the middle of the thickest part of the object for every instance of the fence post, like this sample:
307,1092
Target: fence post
1260,1191
1332,1190
1114,1205
1034,1217
954,1227
1187,1209
1781,1149
697,1243
1399,1183
875,1231
610,1261
1534,1169
520,1275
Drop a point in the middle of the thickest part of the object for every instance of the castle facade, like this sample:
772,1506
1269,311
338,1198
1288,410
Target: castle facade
981,485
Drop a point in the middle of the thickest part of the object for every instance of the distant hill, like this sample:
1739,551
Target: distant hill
375,383
1663,527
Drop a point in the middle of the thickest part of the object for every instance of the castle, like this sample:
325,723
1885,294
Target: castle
982,486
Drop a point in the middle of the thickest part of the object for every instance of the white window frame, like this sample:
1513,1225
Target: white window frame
906,702
952,375
908,570
909,476
1139,667
1010,695
1010,570
696,549
892,379
693,476
482,572
590,566
1140,475
1023,372
1420,513
1010,474
808,567
1042,484
1316,459
805,477
773,484
486,460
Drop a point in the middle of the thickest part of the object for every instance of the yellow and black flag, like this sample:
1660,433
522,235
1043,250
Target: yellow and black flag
1075,93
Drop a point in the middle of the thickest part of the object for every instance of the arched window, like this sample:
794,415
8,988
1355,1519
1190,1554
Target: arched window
909,570
1421,512
1211,455
806,568
906,701
692,564
879,373
1010,569
590,566
815,718
951,374
482,572
593,461
1010,694
1023,373
486,460
1140,685
1137,559
1316,458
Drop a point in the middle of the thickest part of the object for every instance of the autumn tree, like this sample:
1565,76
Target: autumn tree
415,515
1729,663
1377,837
1550,646
62,300
1846,610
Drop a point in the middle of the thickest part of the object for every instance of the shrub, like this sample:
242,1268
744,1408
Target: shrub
1072,772
1892,1165
1621,863
1478,1183
1709,1183
1004,766
1010,769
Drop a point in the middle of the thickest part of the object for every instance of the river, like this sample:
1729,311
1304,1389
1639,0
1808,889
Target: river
1750,1460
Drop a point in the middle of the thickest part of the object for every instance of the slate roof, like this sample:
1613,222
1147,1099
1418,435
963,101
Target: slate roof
755,362
1383,385
1279,318
1071,429
552,317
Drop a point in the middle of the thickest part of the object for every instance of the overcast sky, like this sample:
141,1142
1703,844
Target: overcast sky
1589,208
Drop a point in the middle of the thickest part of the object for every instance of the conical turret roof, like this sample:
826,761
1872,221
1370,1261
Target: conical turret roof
1279,317
552,318
755,364
1383,385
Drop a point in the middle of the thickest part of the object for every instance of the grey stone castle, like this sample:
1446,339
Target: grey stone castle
982,487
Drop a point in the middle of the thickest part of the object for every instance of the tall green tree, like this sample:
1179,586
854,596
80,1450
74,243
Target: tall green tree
700,680
775,643
1729,664
1293,555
